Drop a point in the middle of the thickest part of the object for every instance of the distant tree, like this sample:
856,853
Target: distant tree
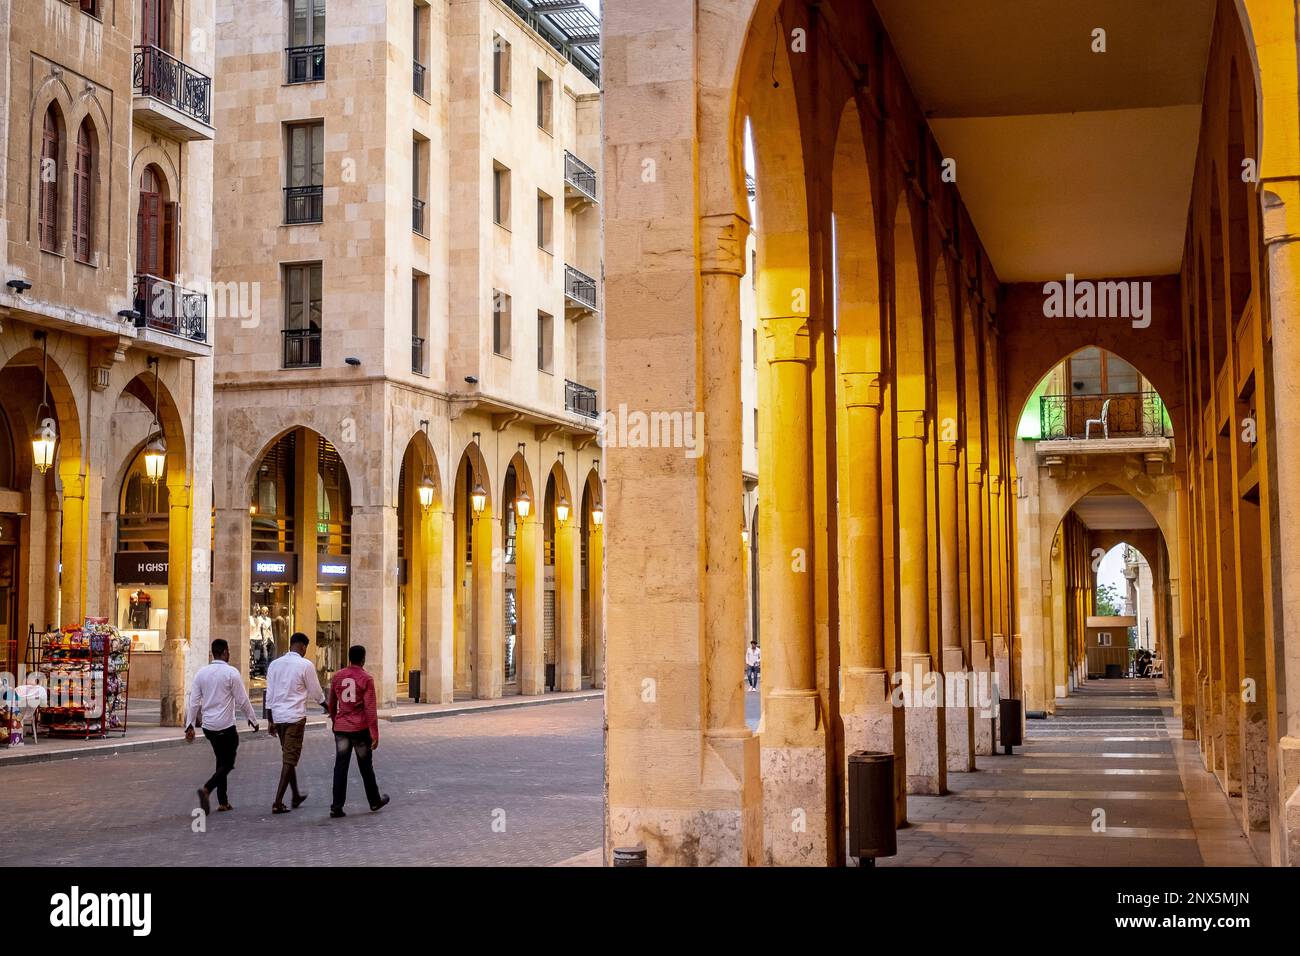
1109,603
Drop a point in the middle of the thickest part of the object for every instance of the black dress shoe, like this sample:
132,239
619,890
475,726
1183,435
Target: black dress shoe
383,802
204,802
298,800
335,813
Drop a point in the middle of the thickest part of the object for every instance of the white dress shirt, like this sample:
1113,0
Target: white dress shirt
290,681
216,694
752,657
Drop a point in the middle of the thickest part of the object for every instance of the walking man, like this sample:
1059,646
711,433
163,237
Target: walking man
290,681
218,692
752,661
356,728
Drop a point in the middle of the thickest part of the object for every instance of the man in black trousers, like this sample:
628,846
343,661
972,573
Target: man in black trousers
217,694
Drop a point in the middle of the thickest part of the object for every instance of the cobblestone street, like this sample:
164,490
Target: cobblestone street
534,771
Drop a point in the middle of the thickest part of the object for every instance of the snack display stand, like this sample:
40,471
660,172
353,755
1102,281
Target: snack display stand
85,669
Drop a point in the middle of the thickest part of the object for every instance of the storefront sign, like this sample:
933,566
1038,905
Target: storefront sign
140,567
333,569
274,567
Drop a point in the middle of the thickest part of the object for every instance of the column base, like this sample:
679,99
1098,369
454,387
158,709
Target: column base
795,775
872,722
1257,784
927,764
984,719
961,692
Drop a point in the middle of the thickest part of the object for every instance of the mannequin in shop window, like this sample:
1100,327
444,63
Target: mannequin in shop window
137,611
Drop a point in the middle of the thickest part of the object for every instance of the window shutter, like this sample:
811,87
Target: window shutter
48,192
149,22
82,215
148,229
171,231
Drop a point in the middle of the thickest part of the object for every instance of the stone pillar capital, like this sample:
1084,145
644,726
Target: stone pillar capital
975,474
790,339
74,486
911,424
861,389
948,453
178,496
995,485
722,244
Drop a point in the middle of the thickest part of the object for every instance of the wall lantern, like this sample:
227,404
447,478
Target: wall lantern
426,493
562,510
744,536
478,498
523,504
598,514
46,434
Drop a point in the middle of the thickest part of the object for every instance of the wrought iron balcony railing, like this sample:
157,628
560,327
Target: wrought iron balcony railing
156,73
579,175
417,354
579,286
1129,415
304,204
305,64
419,73
166,307
580,399
417,215
301,348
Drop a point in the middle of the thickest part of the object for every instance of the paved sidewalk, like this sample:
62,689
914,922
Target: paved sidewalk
144,734
1107,781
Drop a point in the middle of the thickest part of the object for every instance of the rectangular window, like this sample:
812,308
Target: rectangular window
756,428
419,322
420,50
91,7
545,221
419,177
305,173
500,195
501,323
305,50
545,95
545,342
302,315
501,66
754,337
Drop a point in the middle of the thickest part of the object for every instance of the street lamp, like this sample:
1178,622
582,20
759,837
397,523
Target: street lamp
523,504
562,510
426,493
744,536
155,453
478,498
598,514
46,434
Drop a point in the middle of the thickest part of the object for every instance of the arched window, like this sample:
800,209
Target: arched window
83,194
48,194
142,512
156,227
7,454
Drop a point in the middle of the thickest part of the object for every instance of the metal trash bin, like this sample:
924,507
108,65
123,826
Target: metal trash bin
550,677
630,855
871,806
413,686
1009,718
1114,672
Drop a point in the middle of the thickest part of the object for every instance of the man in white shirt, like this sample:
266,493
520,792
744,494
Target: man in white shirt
290,681
218,692
752,663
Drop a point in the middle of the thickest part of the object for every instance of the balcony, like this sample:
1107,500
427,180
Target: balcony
305,64
1128,415
579,293
417,355
417,216
579,181
419,73
169,97
304,204
163,306
580,400
301,348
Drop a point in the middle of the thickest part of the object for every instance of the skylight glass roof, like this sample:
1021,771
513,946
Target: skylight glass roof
571,26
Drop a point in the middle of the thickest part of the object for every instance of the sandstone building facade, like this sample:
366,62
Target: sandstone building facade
406,410
105,327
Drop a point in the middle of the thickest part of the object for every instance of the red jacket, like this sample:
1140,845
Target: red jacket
352,702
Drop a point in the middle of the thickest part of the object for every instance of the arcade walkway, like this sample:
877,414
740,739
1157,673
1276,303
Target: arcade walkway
1114,747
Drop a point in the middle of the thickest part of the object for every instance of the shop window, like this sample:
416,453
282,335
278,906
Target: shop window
140,566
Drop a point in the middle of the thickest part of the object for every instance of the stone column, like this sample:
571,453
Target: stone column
172,683
1280,235
232,583
959,716
529,573
871,721
305,519
487,624
437,659
596,603
72,580
53,535
794,728
926,761
568,594
413,597
731,748
373,615
979,645
1001,643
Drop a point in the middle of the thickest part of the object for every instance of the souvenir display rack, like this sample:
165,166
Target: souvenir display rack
66,659
10,714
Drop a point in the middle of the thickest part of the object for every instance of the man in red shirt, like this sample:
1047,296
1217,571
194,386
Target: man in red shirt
351,705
